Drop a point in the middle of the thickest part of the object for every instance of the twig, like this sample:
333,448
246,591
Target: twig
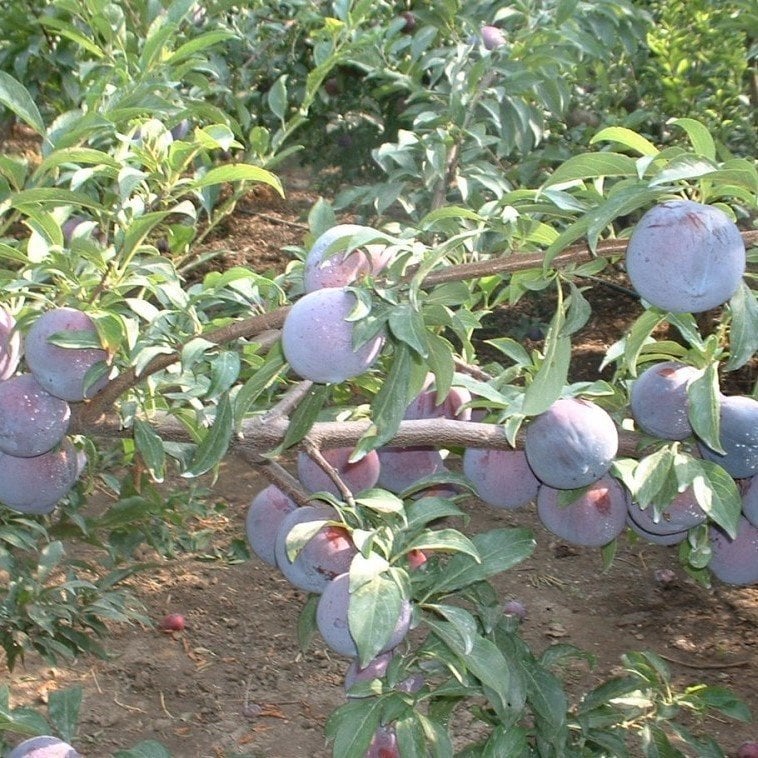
273,219
278,475
705,665
163,706
127,707
289,401
315,455
471,370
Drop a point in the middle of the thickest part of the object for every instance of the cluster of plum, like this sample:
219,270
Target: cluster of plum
38,462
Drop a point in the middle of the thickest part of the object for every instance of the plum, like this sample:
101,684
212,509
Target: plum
43,747
748,750
674,538
32,421
62,370
735,561
659,401
750,500
342,268
318,341
384,743
376,668
425,406
402,467
594,519
492,37
739,436
264,517
502,478
172,622
35,485
10,345
571,444
410,22
515,608
685,257
681,514
332,619
358,476
326,555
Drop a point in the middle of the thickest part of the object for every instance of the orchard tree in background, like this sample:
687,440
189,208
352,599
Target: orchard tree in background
361,362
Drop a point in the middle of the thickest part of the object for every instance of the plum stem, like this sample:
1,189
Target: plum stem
313,452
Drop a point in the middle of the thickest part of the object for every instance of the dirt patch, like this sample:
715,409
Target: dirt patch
234,682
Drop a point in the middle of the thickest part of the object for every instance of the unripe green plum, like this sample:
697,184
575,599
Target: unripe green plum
571,444
502,478
35,485
738,435
345,267
358,476
332,619
62,370
594,519
659,400
735,561
685,257
32,421
318,341
327,553
264,517
10,345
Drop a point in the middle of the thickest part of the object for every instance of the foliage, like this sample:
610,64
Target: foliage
145,146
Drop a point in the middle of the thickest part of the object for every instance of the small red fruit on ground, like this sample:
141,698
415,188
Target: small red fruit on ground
172,622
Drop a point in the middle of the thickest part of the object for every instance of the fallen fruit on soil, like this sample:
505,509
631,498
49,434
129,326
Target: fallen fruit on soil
43,747
358,476
685,257
502,478
738,435
264,517
594,519
748,750
62,370
332,619
318,341
571,444
342,268
172,622
325,555
659,401
32,421
735,561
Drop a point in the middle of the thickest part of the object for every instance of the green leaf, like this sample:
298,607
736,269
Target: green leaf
718,495
655,743
420,512
591,166
50,196
407,325
197,44
277,98
700,137
552,375
150,447
703,407
627,138
63,708
380,501
650,476
258,383
215,443
49,559
374,609
446,540
238,172
352,726
743,331
305,415
447,212
499,550
15,97
639,335
144,749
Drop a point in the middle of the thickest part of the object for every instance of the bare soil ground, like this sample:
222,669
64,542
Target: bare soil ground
234,682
